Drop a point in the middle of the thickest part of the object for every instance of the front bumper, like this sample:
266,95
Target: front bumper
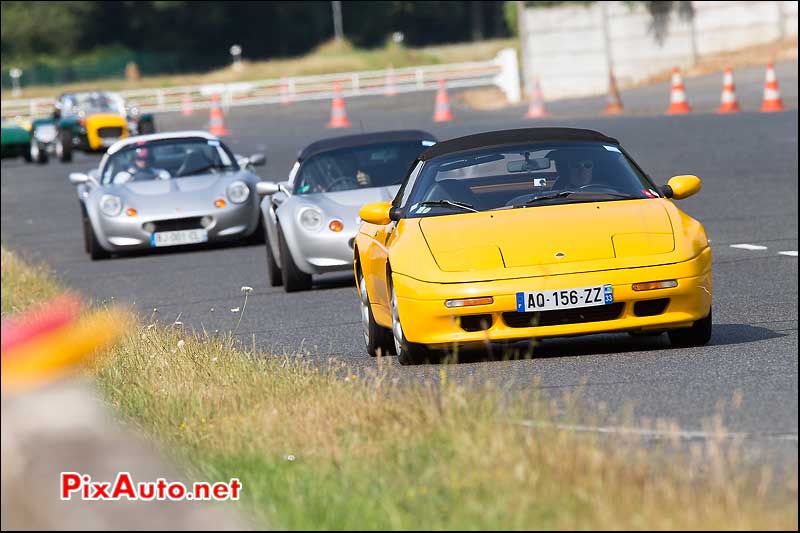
426,320
323,251
124,233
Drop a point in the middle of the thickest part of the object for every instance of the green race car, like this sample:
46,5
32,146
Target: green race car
16,139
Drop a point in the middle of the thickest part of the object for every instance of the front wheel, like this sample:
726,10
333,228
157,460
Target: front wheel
294,279
408,353
273,270
377,338
96,252
697,335
38,153
64,146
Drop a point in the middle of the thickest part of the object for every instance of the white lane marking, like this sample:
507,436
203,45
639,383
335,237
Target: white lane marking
749,246
655,433
792,253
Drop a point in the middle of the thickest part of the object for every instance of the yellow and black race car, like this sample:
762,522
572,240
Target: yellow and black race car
86,121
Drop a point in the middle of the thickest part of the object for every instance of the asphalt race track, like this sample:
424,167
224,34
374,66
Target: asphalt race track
748,163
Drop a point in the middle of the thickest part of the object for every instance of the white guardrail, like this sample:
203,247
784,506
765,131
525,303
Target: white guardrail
502,72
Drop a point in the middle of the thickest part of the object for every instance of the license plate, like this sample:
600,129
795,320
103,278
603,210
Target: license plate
176,238
564,298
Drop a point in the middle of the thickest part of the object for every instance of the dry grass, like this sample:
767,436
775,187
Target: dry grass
24,284
328,58
327,449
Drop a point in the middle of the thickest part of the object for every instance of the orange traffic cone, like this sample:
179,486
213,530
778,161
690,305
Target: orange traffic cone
728,102
216,122
677,98
536,107
613,100
772,96
338,113
186,105
441,112
286,97
390,88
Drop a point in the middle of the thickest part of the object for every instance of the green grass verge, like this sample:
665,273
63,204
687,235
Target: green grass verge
326,449
329,58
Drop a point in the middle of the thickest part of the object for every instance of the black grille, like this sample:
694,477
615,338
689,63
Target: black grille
595,313
109,132
476,322
650,307
177,224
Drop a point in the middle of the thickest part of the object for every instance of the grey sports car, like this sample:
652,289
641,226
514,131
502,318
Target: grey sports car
311,220
168,189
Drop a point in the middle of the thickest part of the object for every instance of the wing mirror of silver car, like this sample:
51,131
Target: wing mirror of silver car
267,188
257,160
76,178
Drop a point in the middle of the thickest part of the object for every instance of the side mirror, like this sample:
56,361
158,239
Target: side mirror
267,188
680,187
376,213
76,178
257,160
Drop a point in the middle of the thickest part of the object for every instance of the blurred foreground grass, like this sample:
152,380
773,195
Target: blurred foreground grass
322,448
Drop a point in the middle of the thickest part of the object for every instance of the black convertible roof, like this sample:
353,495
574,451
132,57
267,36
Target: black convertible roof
362,139
509,137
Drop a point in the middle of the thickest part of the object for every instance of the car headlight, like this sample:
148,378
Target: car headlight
111,205
310,218
238,192
45,133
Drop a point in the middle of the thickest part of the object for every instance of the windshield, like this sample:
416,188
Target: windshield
376,165
96,102
166,159
526,176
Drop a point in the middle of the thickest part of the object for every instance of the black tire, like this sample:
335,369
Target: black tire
38,153
87,228
65,139
147,127
408,353
294,279
697,335
377,338
26,154
274,275
96,252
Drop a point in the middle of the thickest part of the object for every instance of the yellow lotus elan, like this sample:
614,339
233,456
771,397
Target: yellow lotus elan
531,233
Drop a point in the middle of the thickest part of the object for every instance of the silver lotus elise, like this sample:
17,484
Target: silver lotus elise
311,220
168,189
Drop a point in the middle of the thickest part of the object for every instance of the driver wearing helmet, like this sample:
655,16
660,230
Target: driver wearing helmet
142,168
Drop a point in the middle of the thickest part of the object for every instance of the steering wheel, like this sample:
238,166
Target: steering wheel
342,179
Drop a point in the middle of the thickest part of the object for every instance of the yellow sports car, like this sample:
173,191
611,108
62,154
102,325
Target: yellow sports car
532,233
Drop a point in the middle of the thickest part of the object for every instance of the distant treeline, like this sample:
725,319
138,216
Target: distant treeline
58,31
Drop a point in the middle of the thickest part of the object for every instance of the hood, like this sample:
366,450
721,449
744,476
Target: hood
549,235
159,198
197,183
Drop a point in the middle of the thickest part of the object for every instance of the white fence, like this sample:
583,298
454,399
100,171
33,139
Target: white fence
502,71
571,48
